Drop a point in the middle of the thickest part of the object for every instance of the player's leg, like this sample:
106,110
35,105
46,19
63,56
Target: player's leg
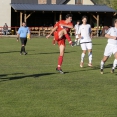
89,47
83,47
62,33
60,58
53,41
105,58
107,53
76,40
25,42
22,46
114,63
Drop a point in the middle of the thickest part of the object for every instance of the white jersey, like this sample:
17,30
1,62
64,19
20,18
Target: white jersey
112,32
85,31
76,27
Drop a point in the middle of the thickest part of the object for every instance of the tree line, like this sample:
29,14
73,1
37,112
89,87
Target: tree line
110,3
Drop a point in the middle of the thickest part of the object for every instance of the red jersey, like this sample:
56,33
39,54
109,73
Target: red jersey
63,27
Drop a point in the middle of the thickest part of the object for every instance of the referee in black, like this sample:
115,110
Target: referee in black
22,34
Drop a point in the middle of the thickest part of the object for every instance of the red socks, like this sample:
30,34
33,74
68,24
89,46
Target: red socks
60,60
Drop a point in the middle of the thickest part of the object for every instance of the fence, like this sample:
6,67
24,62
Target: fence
37,31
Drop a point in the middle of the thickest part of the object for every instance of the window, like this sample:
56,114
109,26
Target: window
78,1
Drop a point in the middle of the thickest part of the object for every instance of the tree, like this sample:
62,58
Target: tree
113,4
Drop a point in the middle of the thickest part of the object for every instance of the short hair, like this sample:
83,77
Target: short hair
115,21
68,15
78,20
84,17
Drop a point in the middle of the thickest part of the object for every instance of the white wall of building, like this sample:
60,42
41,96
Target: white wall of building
5,12
85,2
71,2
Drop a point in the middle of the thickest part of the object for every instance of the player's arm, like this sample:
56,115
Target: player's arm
110,37
53,30
90,32
67,26
18,34
75,30
79,33
28,33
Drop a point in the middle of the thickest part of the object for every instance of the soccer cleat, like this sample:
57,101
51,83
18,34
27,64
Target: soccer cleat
90,65
81,64
21,53
60,71
112,71
101,71
25,53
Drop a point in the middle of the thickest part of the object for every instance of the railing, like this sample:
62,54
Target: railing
40,31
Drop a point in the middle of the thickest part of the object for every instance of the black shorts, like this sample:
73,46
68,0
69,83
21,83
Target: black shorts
23,41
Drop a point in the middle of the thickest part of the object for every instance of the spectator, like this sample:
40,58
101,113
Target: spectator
5,29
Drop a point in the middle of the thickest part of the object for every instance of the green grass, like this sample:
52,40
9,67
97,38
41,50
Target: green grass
30,86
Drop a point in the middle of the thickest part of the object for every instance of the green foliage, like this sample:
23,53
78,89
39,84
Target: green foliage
110,3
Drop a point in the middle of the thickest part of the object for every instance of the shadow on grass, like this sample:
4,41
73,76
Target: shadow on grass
51,53
5,77
13,51
105,66
56,52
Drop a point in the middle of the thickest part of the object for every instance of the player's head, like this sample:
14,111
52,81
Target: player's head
78,21
115,22
68,17
24,24
84,19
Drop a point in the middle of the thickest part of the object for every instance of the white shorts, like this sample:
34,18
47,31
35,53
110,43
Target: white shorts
110,49
86,46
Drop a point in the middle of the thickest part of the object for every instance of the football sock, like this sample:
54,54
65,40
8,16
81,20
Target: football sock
82,57
101,65
68,38
114,64
60,60
90,57
21,49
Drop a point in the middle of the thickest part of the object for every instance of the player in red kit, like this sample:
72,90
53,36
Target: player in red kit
54,41
61,33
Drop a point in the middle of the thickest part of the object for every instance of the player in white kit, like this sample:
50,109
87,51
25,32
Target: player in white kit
111,47
76,27
85,36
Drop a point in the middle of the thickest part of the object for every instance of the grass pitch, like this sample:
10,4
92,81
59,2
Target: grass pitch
30,86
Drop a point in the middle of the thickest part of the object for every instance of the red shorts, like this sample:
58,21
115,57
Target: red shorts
59,41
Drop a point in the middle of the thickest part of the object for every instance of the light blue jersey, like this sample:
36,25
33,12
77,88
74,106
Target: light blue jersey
23,31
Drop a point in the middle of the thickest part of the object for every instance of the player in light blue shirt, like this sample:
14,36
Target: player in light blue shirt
22,34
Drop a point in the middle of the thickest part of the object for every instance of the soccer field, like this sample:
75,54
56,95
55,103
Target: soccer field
31,87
